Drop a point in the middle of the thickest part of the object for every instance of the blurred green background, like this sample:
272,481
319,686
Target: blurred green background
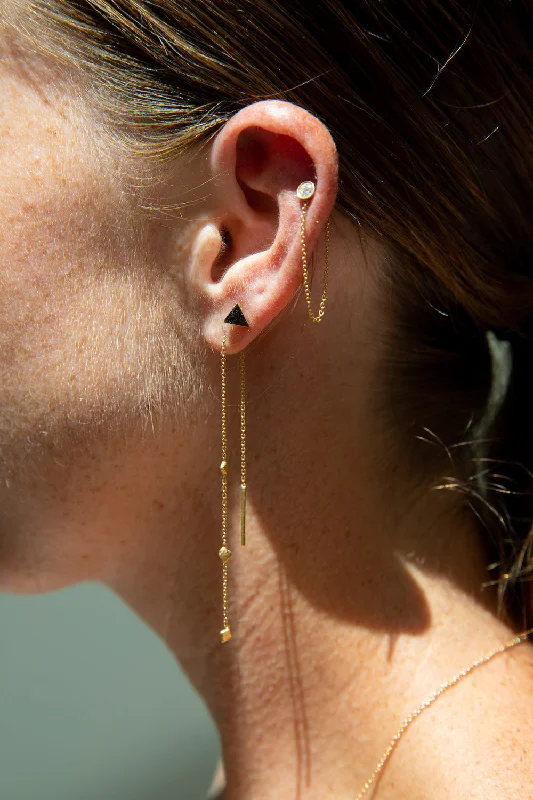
94,705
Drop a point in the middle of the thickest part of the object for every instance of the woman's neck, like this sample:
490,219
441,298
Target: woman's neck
349,604
343,619
309,694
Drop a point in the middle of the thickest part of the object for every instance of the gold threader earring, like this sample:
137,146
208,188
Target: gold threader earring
236,317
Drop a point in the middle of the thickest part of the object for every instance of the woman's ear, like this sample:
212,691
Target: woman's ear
250,250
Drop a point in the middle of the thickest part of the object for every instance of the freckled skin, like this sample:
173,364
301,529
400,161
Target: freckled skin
109,454
96,347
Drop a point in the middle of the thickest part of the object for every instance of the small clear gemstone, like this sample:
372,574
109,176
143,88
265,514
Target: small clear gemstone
305,190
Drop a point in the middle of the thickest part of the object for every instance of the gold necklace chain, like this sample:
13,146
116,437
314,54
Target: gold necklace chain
431,699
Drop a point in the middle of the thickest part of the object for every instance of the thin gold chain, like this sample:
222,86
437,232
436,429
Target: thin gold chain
224,486
431,699
243,449
243,420
304,263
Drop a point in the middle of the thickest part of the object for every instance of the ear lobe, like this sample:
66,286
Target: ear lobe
258,160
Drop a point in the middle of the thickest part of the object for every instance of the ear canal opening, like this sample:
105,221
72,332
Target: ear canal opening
219,264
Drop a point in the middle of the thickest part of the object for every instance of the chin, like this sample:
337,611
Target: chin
27,574
19,582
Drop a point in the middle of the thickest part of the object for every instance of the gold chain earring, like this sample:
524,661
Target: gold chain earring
305,191
235,317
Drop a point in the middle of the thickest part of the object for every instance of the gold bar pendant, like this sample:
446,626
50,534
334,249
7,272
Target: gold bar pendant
243,512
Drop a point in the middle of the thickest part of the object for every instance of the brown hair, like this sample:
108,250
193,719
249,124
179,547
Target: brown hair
431,108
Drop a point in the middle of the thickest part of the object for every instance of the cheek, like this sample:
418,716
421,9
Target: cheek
94,343
58,212
92,326
66,281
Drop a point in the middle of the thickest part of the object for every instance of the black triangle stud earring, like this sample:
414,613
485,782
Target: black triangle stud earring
236,317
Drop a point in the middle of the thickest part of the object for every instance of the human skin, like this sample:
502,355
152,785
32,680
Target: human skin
358,593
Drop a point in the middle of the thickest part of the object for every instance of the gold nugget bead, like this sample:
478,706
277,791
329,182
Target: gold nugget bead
225,634
224,468
224,553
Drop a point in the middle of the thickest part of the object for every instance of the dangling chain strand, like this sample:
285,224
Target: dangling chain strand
304,192
235,317
243,449
224,552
